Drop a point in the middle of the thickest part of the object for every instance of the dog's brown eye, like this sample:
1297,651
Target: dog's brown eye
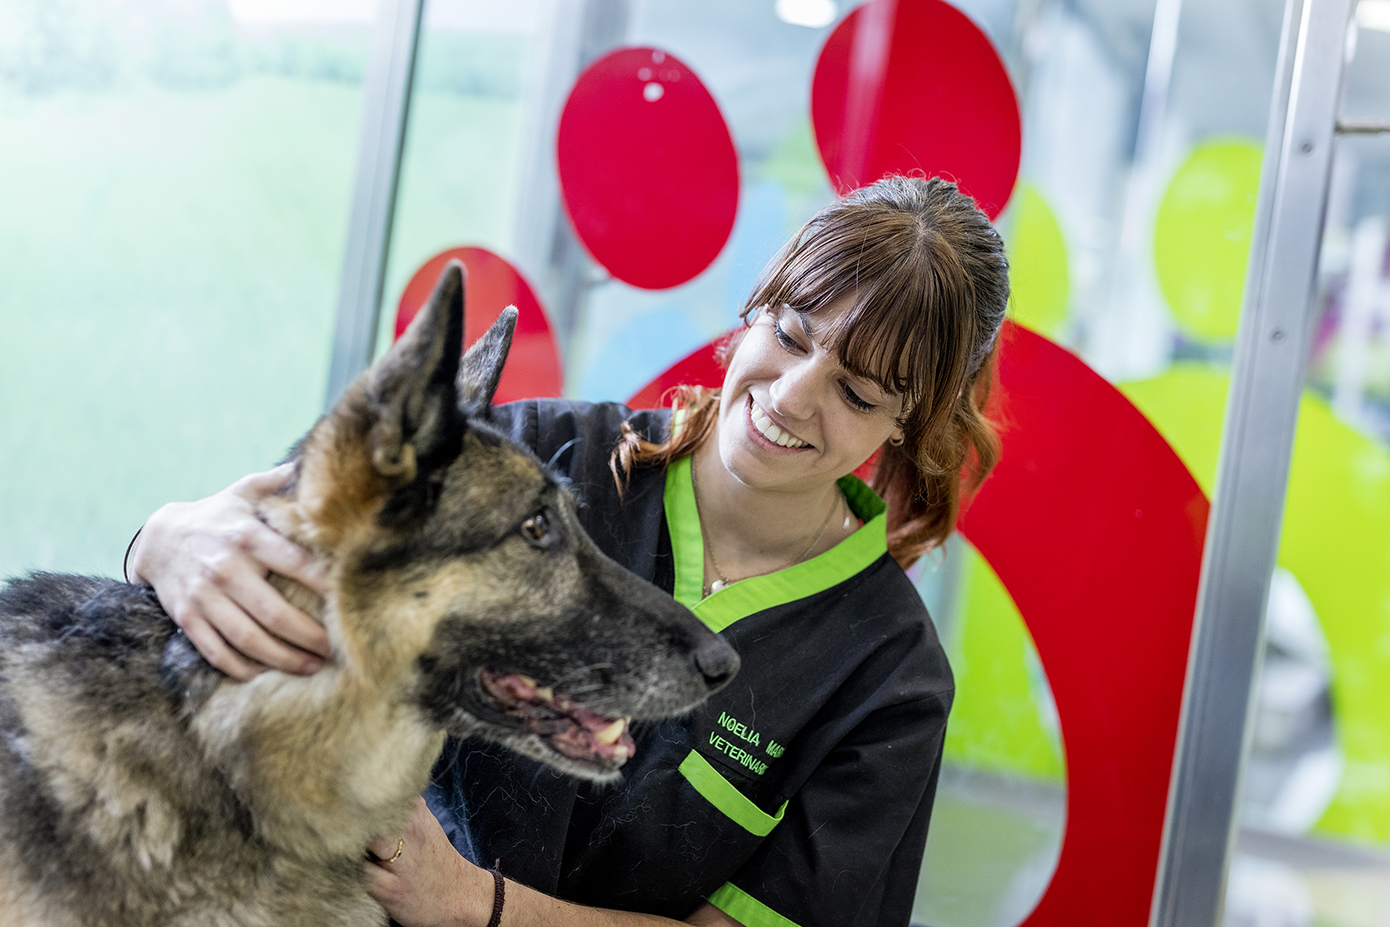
536,528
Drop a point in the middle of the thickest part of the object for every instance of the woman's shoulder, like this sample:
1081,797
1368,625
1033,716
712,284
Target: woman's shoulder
544,425
869,628
889,610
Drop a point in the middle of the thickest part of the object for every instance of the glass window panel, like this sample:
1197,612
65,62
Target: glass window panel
1316,811
1001,803
1113,144
460,177
176,181
1128,233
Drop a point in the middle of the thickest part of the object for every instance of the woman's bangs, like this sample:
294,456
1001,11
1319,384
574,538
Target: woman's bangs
886,336
877,338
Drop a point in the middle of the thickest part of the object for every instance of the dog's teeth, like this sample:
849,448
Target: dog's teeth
620,752
545,693
611,733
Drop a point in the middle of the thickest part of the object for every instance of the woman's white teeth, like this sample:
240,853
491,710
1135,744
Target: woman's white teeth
763,423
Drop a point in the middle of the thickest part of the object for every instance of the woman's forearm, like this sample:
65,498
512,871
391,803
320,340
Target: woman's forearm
422,881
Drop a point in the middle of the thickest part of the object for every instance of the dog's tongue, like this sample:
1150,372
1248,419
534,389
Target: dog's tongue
572,729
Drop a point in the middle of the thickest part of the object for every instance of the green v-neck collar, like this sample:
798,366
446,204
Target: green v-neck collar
758,593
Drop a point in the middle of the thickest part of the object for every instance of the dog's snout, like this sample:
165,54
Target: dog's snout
717,662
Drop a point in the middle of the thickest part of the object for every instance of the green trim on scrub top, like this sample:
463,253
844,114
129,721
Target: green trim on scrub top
747,910
758,593
718,791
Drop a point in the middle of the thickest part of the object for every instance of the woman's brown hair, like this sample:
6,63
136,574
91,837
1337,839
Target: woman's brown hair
929,284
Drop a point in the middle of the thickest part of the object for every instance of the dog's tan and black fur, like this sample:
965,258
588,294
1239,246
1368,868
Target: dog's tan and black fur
139,786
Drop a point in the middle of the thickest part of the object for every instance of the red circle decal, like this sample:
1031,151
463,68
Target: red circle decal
1096,528
914,85
492,284
647,168
1097,534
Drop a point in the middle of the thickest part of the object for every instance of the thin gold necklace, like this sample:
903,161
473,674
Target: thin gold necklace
719,581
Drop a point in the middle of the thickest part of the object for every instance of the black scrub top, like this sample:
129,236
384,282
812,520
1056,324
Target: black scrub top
797,795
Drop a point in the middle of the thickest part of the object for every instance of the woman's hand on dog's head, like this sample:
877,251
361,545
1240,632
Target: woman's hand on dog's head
208,562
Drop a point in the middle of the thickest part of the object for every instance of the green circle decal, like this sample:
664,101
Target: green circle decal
1003,719
1336,541
1037,264
1202,236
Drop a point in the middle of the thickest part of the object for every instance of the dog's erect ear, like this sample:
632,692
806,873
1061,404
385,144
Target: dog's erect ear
482,365
412,390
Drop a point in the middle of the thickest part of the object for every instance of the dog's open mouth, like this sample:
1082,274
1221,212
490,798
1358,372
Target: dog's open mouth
571,729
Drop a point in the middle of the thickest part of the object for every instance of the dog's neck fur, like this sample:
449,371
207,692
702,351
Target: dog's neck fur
359,786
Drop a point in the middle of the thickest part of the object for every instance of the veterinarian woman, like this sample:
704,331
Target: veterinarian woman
800,794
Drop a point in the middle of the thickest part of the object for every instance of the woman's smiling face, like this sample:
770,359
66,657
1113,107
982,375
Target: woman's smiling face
791,417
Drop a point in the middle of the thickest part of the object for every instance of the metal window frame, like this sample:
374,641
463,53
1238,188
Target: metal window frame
1253,468
385,106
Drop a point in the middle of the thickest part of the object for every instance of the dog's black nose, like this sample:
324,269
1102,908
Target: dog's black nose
717,661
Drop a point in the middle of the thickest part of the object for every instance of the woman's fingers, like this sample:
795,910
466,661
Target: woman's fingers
277,617
245,584
271,548
282,555
251,639
256,486
208,562
385,849
216,651
429,883
287,558
389,877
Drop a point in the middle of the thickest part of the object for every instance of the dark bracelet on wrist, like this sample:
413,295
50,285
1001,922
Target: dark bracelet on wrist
125,562
499,894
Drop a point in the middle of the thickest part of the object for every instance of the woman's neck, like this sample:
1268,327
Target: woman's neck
748,531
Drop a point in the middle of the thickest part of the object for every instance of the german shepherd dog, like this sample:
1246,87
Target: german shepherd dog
140,786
